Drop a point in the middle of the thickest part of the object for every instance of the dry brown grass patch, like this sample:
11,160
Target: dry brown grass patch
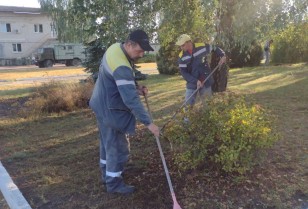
54,97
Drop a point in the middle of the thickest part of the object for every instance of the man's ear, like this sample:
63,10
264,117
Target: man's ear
129,46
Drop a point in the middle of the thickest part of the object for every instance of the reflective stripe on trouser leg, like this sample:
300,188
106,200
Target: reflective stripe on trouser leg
117,151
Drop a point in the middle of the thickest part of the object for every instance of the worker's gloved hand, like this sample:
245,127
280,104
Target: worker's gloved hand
154,129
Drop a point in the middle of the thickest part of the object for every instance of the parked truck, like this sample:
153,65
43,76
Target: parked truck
68,54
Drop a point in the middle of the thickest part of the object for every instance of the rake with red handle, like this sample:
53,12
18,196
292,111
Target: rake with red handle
175,202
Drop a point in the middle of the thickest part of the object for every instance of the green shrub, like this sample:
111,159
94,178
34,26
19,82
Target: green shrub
95,52
246,55
147,58
226,133
290,46
166,60
255,54
56,97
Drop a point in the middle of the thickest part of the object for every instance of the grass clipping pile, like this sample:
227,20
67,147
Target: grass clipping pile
225,134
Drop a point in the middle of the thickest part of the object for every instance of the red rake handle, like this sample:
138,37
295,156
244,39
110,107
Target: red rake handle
175,203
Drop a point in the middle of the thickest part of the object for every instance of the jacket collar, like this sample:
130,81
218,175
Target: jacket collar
127,56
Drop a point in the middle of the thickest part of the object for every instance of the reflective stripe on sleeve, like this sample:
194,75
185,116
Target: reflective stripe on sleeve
113,174
199,52
124,82
185,58
102,161
182,65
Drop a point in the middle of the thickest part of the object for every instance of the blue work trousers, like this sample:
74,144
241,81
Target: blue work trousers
114,153
203,92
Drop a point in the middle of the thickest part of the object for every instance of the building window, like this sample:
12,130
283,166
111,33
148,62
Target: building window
41,28
16,47
5,27
1,51
8,27
38,28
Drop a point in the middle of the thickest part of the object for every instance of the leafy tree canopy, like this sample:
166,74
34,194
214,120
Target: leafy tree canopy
244,20
227,22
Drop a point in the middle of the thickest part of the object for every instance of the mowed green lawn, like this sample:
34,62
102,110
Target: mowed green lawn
54,159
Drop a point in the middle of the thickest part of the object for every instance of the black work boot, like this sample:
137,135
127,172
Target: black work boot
124,189
120,187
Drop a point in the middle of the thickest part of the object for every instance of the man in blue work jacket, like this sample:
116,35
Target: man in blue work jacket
116,103
194,67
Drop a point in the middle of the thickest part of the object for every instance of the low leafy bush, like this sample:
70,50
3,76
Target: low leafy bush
56,97
226,133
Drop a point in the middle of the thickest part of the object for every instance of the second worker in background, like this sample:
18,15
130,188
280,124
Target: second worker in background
194,67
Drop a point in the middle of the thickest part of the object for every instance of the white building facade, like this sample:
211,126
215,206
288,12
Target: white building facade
22,31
